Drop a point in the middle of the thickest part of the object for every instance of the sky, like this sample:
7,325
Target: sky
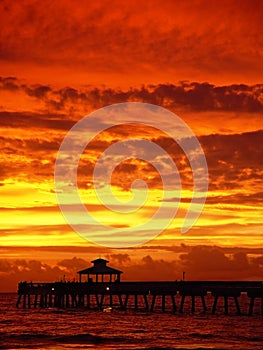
201,60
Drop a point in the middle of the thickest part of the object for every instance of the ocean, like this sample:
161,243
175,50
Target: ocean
91,329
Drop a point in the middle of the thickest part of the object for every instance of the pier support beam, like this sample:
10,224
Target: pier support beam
144,294
153,302
237,305
120,301
182,304
73,300
28,301
214,305
24,301
173,302
146,302
101,301
97,300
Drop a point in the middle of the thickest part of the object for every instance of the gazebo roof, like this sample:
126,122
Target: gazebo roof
99,268
100,261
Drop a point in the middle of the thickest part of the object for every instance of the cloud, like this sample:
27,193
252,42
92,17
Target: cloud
120,259
72,265
251,199
149,269
234,159
198,262
204,262
172,39
194,95
38,91
34,120
31,137
9,83
21,269
234,162
14,270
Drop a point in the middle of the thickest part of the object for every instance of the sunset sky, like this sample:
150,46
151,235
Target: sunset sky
60,61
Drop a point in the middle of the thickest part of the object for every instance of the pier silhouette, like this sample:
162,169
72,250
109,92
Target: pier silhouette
113,292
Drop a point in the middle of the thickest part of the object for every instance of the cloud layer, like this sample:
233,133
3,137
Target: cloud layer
166,41
198,263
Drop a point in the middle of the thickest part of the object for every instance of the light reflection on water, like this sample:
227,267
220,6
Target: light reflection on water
84,329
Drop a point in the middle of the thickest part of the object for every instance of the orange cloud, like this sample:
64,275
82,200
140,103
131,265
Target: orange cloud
200,41
199,263
31,138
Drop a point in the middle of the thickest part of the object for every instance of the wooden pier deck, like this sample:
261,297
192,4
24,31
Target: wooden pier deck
141,295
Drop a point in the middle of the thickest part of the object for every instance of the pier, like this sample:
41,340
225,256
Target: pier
123,295
108,291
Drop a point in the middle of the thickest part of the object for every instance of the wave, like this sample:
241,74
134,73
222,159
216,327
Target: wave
36,339
89,338
202,335
7,321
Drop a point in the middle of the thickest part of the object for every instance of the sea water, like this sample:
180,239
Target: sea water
91,329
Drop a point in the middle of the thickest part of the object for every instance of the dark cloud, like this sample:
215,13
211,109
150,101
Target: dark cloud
119,259
193,95
27,120
234,159
253,199
198,262
9,83
204,262
13,271
24,146
73,265
150,269
38,91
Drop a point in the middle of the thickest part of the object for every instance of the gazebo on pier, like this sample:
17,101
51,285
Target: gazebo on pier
101,271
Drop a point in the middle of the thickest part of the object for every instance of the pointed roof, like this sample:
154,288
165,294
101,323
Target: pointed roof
99,261
99,267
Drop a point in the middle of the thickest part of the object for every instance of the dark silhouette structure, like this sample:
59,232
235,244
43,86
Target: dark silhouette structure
148,295
101,271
